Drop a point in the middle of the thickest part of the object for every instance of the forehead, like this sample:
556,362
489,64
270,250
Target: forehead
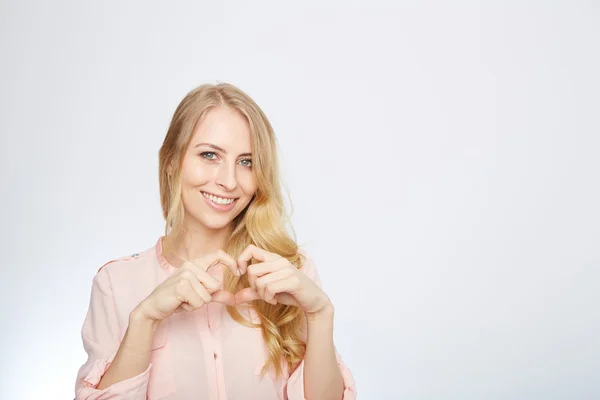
225,128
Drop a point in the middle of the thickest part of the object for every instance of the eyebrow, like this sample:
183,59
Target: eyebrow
222,150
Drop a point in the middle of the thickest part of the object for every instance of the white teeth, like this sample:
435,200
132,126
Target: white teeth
218,200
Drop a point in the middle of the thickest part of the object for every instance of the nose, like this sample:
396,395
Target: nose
226,177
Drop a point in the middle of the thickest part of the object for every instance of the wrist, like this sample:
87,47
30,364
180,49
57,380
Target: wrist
139,317
324,313
140,333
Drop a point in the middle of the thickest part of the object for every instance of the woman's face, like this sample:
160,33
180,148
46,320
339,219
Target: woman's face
217,178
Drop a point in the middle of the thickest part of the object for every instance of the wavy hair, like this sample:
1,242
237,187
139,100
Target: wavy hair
262,223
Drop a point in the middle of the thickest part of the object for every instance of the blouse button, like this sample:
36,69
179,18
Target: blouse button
215,355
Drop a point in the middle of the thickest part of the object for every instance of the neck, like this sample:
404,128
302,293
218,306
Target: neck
198,242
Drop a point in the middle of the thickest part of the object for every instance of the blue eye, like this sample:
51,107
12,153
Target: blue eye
209,155
246,163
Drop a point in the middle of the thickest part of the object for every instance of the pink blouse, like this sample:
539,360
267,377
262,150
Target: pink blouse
203,354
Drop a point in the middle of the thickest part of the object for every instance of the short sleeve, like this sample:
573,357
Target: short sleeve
101,340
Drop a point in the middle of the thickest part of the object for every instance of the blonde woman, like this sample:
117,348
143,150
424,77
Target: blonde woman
225,305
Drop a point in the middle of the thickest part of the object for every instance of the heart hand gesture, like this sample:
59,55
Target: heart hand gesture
275,280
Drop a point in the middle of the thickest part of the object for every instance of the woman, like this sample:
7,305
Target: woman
225,305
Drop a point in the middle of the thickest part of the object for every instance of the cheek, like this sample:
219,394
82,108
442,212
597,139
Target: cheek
195,174
247,183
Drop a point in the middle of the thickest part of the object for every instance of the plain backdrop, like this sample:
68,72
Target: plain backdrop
442,160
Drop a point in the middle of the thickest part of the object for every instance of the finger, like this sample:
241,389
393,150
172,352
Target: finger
181,308
202,291
278,290
192,272
287,299
224,297
258,254
255,271
186,294
215,258
266,281
246,295
225,259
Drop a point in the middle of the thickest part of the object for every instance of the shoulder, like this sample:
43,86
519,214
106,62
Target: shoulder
120,260
129,266
129,279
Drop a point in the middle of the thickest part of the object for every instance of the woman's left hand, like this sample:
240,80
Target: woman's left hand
275,280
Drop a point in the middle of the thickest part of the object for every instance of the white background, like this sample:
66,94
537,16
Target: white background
442,160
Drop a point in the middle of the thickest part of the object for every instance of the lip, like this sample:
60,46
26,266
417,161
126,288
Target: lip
218,195
219,207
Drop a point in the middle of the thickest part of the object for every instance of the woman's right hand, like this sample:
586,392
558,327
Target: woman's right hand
188,288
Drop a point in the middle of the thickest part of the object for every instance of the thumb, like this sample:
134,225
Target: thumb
287,299
246,295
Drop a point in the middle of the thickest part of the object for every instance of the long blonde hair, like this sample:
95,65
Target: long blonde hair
262,223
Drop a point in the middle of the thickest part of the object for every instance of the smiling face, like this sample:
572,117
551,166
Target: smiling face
217,181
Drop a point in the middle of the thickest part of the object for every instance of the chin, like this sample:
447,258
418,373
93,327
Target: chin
215,223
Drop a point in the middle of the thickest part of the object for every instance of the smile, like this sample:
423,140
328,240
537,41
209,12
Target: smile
218,200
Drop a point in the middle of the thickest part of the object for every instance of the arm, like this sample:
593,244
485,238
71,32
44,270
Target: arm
119,368
322,376
101,342
133,356
275,280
